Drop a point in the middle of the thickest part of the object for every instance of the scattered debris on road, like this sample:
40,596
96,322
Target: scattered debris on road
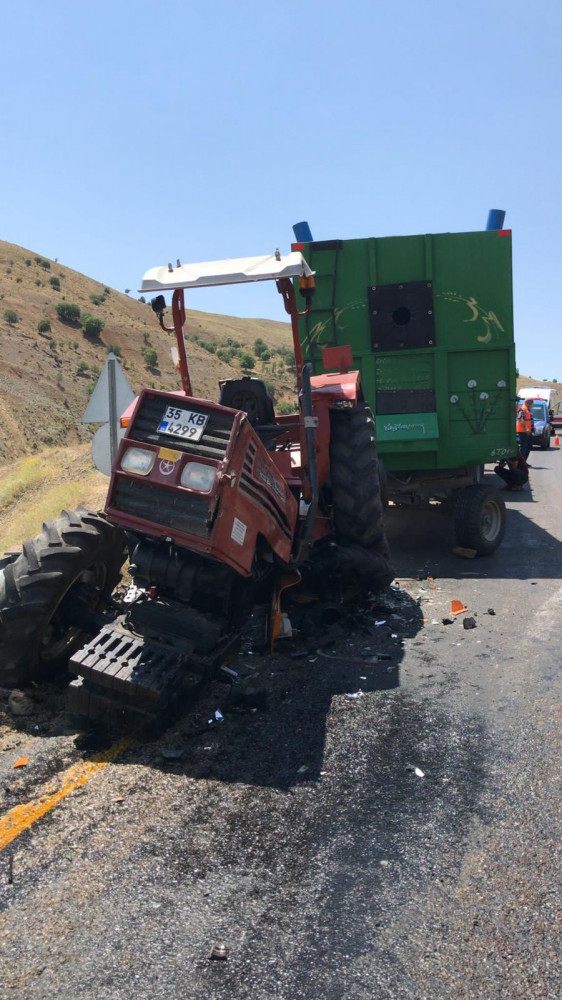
19,703
458,607
469,623
459,550
218,953
21,762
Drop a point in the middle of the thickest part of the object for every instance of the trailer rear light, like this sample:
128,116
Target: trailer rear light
197,476
138,460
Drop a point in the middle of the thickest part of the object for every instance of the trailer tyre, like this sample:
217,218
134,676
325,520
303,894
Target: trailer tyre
480,519
356,493
77,557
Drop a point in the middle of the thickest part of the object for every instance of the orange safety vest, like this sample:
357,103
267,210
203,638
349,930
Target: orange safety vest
524,421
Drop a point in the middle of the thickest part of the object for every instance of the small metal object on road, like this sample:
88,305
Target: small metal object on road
468,623
381,622
218,953
354,695
416,770
448,621
491,611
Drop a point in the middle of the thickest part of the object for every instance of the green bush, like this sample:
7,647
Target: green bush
150,357
106,290
38,282
44,326
55,283
68,312
92,325
247,361
82,367
225,354
97,298
146,337
260,347
284,407
28,262
208,345
142,299
18,281
11,316
45,264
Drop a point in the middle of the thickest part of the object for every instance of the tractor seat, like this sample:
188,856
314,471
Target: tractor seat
248,394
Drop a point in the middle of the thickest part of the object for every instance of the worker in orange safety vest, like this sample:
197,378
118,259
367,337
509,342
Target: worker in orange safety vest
525,426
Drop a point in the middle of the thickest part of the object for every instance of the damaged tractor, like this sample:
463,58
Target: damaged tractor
216,506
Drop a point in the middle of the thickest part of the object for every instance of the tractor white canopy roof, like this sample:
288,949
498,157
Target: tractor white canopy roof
267,267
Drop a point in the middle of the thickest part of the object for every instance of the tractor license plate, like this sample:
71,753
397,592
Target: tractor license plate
183,423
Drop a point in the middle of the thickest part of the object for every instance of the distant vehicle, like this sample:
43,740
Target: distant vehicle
542,426
552,397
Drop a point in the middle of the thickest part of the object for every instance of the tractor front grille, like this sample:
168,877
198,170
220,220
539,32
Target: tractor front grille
213,443
160,505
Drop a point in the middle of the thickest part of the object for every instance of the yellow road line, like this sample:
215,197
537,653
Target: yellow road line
21,817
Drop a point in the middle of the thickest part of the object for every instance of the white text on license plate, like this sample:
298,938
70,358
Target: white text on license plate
183,423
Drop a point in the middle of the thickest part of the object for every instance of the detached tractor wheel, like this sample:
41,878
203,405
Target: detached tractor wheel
480,519
357,503
74,562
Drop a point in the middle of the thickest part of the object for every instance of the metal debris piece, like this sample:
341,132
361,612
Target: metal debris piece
468,623
459,550
219,717
302,769
448,621
417,770
491,611
21,762
381,622
354,695
218,953
233,674
393,635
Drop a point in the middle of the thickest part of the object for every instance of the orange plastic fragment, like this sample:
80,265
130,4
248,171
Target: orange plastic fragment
457,607
21,762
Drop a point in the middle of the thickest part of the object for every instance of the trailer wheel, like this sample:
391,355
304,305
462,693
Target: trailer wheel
356,493
545,441
480,519
76,558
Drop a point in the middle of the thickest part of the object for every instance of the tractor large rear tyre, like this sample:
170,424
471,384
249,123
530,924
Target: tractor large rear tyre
77,557
357,503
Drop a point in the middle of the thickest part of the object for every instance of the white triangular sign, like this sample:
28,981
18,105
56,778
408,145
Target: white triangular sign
97,410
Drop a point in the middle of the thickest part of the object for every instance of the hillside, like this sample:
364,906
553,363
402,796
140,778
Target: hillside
46,378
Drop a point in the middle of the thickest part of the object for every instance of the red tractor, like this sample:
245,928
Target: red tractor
217,506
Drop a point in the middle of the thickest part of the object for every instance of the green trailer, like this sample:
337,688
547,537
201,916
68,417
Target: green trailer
429,321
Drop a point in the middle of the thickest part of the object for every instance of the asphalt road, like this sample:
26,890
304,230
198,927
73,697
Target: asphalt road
300,834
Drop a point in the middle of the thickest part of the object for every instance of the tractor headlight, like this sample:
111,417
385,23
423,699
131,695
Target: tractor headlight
198,477
138,460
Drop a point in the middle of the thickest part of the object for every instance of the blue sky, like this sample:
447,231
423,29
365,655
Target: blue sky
134,133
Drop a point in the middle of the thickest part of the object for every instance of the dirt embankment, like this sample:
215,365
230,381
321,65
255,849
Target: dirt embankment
49,367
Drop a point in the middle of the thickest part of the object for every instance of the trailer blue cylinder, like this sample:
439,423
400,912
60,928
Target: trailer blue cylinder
496,218
302,232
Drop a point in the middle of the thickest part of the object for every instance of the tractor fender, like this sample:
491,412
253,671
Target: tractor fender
338,391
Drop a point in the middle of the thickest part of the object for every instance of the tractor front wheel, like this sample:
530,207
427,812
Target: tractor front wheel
74,561
357,504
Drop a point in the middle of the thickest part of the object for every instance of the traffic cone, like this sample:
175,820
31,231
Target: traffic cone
556,441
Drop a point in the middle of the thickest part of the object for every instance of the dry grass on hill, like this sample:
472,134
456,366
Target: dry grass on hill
46,378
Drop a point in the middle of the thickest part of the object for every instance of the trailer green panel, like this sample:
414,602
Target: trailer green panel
430,323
